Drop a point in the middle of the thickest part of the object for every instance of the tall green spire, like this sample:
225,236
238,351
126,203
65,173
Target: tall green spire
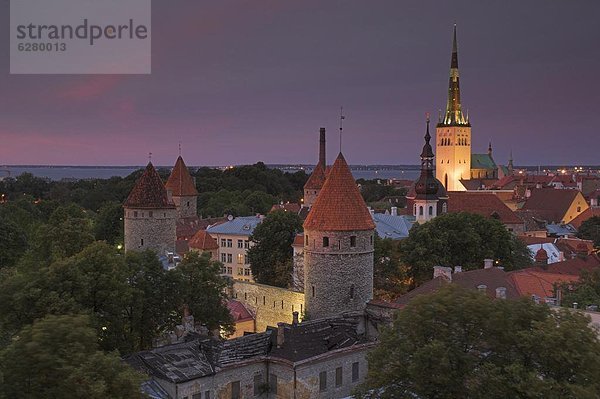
454,115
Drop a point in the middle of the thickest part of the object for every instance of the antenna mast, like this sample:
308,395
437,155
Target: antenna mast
342,117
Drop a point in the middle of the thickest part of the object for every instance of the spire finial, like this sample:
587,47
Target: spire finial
180,148
490,148
427,135
454,44
342,117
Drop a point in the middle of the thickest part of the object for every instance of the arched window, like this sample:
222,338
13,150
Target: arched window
420,211
444,207
430,211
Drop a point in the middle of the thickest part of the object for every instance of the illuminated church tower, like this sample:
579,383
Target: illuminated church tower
453,141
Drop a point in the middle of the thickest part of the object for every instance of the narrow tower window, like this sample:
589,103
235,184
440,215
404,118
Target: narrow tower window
325,242
420,211
430,211
142,242
352,291
313,291
353,241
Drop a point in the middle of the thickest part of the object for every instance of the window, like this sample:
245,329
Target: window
229,270
352,291
142,242
246,272
246,244
142,214
235,390
223,243
229,243
246,261
240,271
151,214
338,377
578,209
371,239
134,214
420,211
223,258
188,204
240,259
229,258
354,371
313,291
306,240
444,207
240,243
430,211
258,381
197,396
325,242
323,381
273,384
353,241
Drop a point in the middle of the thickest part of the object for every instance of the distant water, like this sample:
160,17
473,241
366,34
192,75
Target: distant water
95,172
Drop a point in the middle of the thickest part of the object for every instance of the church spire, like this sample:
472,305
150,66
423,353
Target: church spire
454,115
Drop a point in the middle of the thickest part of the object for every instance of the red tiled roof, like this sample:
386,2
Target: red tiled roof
298,240
188,227
339,206
180,181
238,311
550,203
317,178
585,215
540,283
572,267
481,203
289,207
149,192
203,241
536,240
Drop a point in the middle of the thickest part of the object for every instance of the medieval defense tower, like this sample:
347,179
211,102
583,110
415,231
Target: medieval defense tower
182,188
338,247
150,215
453,141
315,182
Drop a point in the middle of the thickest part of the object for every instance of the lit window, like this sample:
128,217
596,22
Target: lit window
240,259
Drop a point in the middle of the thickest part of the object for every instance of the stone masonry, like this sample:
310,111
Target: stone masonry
150,229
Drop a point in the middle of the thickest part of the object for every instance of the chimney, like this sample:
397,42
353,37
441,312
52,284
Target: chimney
457,269
593,202
295,319
501,292
322,153
561,256
280,334
488,263
394,211
441,271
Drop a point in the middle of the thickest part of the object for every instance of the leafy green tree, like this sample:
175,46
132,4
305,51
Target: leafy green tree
458,343
460,239
109,223
390,276
585,292
590,230
271,255
58,357
68,231
203,291
13,242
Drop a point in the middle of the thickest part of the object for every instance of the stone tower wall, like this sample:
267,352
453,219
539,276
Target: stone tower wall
186,206
453,156
337,278
156,227
310,196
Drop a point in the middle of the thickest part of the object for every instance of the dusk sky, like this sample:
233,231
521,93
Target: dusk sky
244,81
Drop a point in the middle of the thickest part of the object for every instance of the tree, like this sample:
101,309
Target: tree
460,239
58,357
590,230
109,223
13,242
203,291
390,278
585,292
271,255
458,343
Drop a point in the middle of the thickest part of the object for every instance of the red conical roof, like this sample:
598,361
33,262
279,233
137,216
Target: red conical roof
180,181
317,178
339,206
204,241
149,192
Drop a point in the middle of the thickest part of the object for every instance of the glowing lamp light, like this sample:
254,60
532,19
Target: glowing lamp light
119,246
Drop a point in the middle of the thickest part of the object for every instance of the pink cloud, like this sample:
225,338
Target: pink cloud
89,87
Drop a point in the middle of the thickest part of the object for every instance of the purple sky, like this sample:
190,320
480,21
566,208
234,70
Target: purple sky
242,81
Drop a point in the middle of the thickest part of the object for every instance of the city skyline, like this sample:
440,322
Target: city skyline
238,84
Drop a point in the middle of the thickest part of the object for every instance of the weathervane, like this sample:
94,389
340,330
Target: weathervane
149,157
342,117
180,148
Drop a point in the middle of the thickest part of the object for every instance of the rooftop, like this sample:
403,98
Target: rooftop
482,161
482,203
203,241
339,206
241,226
148,192
551,204
180,181
391,226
